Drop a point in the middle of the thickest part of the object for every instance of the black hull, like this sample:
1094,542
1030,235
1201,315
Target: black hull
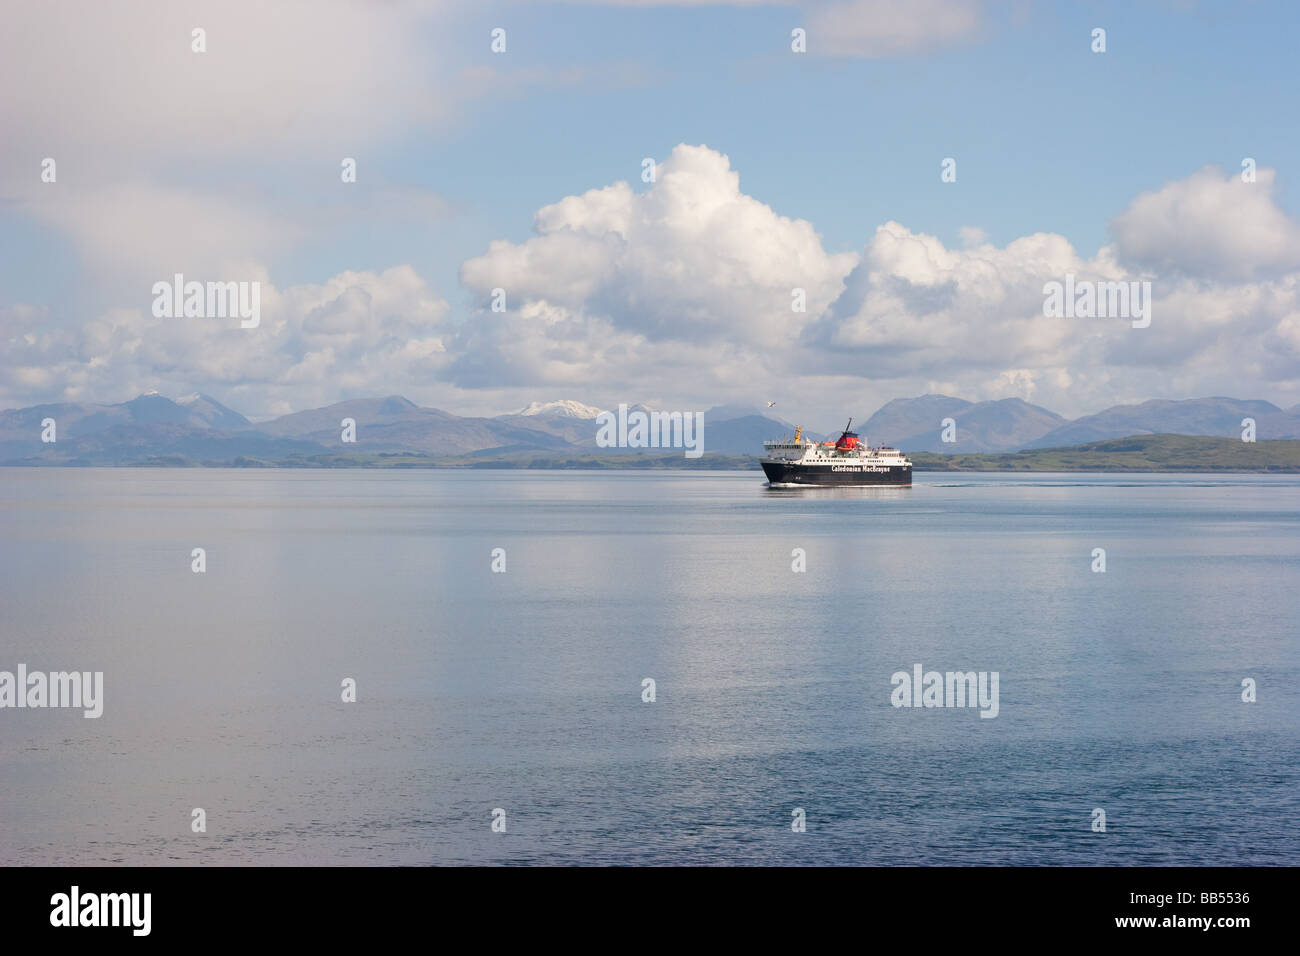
789,473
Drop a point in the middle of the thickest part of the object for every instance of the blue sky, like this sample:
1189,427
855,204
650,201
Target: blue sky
1048,135
468,145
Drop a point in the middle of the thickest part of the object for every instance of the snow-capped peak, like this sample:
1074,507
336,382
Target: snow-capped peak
563,409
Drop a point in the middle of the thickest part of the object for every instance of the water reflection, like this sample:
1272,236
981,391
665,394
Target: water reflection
872,492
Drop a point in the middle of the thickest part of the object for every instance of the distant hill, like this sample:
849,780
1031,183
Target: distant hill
395,424
906,418
742,436
567,428
85,418
1135,453
212,413
158,444
393,431
916,424
564,408
1195,416
88,433
198,429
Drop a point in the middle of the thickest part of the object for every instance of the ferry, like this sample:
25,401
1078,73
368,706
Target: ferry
845,461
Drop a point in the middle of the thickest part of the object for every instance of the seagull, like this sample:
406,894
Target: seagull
771,404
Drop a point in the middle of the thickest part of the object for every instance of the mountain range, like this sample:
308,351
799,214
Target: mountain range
1011,424
198,429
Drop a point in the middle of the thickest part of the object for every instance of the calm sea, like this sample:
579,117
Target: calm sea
478,690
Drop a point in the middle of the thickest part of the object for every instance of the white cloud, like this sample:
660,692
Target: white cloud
861,28
356,334
160,150
881,28
136,233
692,258
99,85
622,290
1210,227
680,294
915,311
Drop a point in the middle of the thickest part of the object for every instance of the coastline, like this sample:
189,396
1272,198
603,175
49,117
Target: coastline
1139,453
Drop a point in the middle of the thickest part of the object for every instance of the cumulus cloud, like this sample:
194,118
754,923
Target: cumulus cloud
357,334
1210,226
682,292
626,288
914,303
679,293
611,273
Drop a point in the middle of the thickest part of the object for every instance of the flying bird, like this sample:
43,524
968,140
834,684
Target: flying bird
770,404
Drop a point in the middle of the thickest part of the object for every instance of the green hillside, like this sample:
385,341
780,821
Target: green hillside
1136,453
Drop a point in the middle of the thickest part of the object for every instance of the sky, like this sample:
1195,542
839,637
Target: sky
525,170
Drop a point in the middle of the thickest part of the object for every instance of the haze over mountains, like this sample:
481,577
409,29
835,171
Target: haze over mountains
197,429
